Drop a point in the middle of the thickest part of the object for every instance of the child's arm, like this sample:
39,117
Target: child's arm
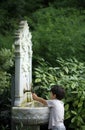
35,97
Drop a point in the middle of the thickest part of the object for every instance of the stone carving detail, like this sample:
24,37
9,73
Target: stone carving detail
23,61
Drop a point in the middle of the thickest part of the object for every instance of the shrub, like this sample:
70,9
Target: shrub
6,69
6,62
58,33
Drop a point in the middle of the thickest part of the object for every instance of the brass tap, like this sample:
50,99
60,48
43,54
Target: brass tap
24,91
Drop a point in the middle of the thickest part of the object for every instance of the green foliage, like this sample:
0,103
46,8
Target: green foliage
32,6
66,3
58,33
6,64
13,11
14,8
7,24
71,74
6,59
5,111
6,41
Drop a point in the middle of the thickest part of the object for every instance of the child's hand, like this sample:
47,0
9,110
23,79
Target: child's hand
42,100
34,96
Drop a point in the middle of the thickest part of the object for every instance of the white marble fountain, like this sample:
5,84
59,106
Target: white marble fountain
27,114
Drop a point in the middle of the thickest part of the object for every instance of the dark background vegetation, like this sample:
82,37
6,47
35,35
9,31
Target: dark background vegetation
58,31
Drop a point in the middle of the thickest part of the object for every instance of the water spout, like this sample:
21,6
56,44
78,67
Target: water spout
29,97
24,91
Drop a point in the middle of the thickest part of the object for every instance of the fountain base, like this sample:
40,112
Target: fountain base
31,115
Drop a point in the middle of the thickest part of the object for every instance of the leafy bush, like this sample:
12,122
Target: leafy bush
68,3
6,41
58,33
6,69
71,74
6,62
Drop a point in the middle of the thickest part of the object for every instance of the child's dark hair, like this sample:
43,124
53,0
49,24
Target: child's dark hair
58,90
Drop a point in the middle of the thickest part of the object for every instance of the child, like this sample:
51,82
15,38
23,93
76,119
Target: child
56,119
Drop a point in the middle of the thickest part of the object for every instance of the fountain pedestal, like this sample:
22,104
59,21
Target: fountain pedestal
31,115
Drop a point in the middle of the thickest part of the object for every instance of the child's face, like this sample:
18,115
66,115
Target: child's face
52,96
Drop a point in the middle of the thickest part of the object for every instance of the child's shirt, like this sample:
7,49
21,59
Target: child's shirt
56,113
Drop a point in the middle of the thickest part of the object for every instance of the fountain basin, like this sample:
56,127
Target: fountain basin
32,113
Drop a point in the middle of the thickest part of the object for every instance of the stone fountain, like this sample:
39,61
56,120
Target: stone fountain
27,114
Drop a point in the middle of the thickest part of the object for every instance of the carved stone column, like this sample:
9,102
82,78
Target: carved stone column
23,62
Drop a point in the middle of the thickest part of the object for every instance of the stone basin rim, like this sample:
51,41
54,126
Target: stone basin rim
29,107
